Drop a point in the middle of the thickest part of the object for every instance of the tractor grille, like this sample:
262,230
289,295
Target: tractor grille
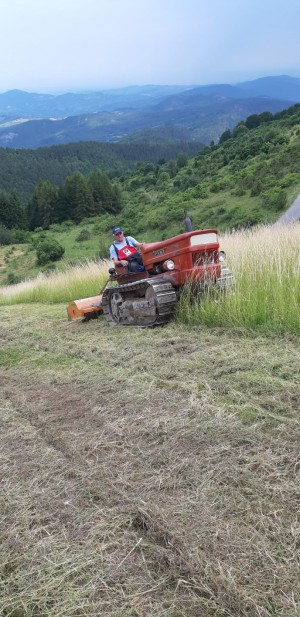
203,259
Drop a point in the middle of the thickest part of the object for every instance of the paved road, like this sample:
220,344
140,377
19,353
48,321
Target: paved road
292,213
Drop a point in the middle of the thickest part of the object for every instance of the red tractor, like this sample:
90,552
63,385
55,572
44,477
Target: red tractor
149,297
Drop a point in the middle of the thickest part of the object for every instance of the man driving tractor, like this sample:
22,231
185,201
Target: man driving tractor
124,252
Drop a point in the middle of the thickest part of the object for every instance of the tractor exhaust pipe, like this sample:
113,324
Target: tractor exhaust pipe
188,222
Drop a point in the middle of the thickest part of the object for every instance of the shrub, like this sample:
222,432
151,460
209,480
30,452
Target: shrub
83,235
7,236
36,239
49,268
22,236
274,198
200,191
48,250
12,279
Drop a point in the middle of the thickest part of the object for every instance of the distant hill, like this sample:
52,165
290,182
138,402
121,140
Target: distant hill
20,104
195,113
279,87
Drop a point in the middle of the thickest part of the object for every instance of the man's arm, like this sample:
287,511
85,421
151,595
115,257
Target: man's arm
120,262
134,241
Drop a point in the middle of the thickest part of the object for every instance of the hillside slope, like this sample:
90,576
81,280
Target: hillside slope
250,177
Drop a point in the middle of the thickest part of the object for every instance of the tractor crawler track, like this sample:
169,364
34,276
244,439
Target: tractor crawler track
145,303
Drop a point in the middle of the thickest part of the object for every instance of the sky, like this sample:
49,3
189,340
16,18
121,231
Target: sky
73,45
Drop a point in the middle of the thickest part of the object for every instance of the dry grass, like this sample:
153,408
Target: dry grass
74,282
147,473
266,264
263,246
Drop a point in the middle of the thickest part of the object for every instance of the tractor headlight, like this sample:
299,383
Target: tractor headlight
222,256
169,264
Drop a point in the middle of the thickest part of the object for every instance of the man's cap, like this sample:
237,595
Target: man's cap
117,230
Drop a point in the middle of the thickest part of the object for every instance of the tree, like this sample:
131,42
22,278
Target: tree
42,206
253,121
225,136
12,215
182,161
266,116
7,236
107,197
75,199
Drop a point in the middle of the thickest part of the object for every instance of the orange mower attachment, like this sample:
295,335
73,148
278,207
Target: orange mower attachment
87,308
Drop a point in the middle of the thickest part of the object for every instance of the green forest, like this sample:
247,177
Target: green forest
250,177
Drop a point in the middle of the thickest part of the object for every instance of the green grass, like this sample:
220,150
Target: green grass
22,260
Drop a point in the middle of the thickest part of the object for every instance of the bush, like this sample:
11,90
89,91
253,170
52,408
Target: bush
274,198
49,268
12,279
36,239
7,236
22,237
48,250
83,235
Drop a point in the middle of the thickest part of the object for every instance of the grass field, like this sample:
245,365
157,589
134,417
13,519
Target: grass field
147,472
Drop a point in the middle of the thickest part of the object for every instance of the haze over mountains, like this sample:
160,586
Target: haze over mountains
139,113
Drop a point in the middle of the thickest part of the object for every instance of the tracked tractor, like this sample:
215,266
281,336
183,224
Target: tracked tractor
148,297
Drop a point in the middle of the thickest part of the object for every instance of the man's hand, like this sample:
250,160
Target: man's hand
124,263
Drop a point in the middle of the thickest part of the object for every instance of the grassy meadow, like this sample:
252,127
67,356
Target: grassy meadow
265,262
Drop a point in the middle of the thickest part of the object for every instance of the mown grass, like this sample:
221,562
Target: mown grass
265,262
162,483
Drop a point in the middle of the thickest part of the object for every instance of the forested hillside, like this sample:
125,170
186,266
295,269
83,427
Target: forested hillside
250,177
21,170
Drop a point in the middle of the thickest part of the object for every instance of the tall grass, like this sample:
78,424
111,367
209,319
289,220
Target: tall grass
266,264
75,282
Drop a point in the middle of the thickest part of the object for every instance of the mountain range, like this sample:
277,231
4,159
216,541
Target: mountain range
139,113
